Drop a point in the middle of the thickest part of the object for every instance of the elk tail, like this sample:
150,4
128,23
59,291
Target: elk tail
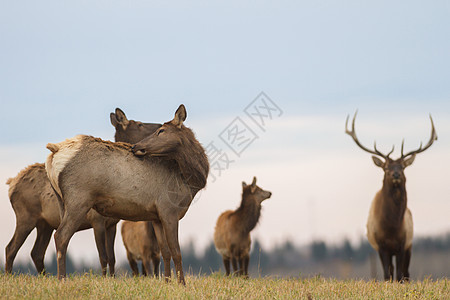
9,180
53,147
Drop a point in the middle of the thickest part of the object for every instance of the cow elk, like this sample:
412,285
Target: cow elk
390,225
35,205
141,244
130,131
155,180
232,232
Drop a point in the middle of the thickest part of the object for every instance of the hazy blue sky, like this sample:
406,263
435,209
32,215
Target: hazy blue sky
64,66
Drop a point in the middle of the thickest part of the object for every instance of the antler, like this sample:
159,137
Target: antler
352,133
430,142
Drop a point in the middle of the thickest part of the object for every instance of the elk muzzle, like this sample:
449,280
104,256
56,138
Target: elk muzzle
267,195
138,150
396,178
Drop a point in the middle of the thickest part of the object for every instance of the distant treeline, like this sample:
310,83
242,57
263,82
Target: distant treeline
431,258
317,257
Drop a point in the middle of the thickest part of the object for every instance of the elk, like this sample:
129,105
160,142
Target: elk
140,242
232,232
35,205
155,180
390,225
130,131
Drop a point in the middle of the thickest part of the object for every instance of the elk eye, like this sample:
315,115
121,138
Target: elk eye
140,124
162,130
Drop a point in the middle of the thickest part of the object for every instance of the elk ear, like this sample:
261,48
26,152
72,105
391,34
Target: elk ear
409,161
180,116
121,118
112,117
253,186
244,184
378,162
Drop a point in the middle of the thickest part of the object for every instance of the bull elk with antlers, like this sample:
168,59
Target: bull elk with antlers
390,225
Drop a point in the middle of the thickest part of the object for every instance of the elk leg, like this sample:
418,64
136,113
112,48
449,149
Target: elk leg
386,261
226,263
391,268
144,271
110,237
171,231
246,262
133,264
100,241
234,264
241,266
162,242
406,260
147,267
237,259
44,234
73,217
399,261
156,261
20,235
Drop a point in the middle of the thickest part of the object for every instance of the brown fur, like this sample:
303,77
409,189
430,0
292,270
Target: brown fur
157,187
36,206
139,239
127,130
232,232
390,227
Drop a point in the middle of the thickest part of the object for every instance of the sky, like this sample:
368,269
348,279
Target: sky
64,66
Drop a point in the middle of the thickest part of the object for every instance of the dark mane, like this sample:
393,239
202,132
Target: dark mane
395,203
249,211
192,160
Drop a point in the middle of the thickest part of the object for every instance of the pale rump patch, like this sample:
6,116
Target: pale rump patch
408,223
223,252
56,162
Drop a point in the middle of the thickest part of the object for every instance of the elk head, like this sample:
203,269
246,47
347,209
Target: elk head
259,194
167,139
393,169
130,131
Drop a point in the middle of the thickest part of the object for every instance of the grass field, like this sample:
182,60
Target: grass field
215,286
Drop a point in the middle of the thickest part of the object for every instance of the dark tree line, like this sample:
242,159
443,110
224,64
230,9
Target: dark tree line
283,259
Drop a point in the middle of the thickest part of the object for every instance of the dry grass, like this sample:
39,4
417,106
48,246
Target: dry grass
215,286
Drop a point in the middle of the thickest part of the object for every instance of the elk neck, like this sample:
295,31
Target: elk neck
394,202
193,164
248,212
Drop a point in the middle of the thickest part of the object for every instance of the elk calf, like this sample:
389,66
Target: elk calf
155,180
35,205
139,239
232,233
390,226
